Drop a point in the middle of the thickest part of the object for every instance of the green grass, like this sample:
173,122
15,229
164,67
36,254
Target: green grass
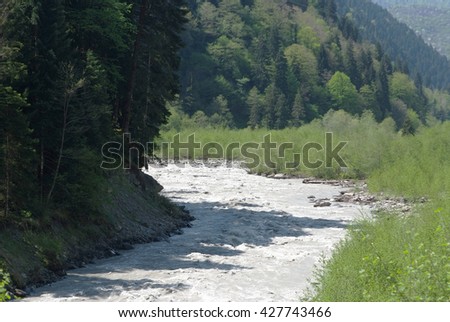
397,257
416,166
392,258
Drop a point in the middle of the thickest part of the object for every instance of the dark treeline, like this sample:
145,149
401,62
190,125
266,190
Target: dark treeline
75,74
275,64
401,43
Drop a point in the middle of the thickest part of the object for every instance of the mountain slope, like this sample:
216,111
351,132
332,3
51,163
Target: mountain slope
273,64
429,19
400,42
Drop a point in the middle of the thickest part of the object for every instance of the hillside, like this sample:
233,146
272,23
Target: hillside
429,19
400,42
75,75
277,64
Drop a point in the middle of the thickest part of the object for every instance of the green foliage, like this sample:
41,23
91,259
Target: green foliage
5,280
392,258
71,74
404,89
409,165
236,51
309,39
399,257
363,153
343,93
303,64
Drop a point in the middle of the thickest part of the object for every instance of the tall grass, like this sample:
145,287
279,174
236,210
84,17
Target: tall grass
365,139
399,258
417,165
392,258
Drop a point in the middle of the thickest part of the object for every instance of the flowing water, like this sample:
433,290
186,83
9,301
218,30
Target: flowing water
254,239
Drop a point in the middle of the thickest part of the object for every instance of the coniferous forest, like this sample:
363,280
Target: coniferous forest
429,19
74,75
401,43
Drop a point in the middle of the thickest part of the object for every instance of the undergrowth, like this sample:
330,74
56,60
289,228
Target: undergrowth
5,280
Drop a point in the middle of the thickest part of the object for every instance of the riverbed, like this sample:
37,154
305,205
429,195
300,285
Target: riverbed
253,239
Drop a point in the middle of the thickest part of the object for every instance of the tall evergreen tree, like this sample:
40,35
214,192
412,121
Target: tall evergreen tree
15,143
352,67
281,112
298,110
382,93
323,63
255,104
271,98
281,72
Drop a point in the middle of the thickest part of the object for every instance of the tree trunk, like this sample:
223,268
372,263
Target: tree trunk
61,147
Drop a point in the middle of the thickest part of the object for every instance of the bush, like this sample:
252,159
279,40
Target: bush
5,280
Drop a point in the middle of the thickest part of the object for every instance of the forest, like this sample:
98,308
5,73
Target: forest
401,43
272,65
427,18
74,75
77,74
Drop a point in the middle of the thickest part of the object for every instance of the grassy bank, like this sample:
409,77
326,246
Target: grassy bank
394,257
397,257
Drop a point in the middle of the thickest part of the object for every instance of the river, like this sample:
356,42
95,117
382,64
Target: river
254,239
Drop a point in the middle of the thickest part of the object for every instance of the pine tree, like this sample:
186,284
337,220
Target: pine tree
422,98
327,9
43,32
298,110
281,72
366,65
281,112
382,93
351,66
271,95
323,63
16,154
331,11
255,104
